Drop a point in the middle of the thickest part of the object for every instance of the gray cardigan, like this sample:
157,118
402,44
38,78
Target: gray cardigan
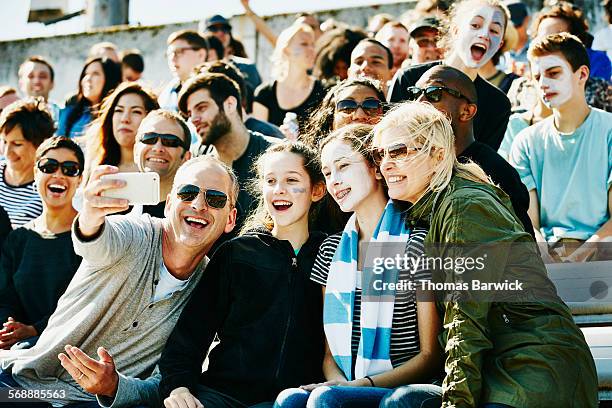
109,303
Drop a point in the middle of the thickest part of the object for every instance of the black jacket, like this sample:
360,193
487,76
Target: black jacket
493,113
257,296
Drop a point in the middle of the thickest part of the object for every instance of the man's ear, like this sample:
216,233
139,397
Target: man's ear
230,104
583,74
186,156
468,112
318,192
231,220
203,54
168,204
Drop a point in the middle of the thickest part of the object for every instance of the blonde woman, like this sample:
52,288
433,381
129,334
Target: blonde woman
503,348
292,89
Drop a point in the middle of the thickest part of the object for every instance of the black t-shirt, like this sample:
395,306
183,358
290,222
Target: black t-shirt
263,127
266,95
493,113
156,210
5,227
504,175
34,273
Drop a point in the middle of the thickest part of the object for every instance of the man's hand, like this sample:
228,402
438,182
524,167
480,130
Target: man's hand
182,398
14,331
96,377
96,207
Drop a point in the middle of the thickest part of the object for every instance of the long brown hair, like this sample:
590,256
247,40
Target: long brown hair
102,147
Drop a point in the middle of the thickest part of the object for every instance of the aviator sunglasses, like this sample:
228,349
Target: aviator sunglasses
433,94
396,152
50,166
214,198
166,140
370,106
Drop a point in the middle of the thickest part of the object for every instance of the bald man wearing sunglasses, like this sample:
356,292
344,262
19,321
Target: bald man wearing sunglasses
104,340
452,92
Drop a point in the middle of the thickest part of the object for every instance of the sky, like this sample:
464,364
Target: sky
155,12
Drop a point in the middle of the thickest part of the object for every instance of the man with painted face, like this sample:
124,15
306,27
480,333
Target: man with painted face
452,92
371,59
212,102
475,35
566,160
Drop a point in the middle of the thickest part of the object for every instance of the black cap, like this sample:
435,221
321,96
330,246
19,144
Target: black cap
425,22
518,11
217,20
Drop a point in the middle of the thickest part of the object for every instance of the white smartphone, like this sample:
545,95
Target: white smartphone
141,188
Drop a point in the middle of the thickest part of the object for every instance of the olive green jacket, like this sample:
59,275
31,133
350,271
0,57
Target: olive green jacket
523,352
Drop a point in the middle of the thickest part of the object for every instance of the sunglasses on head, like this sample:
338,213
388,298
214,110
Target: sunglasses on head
214,198
50,166
433,94
166,140
370,106
396,152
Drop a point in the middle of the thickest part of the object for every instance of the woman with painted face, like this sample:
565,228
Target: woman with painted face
509,347
256,296
351,101
113,134
38,260
293,88
411,353
475,34
98,78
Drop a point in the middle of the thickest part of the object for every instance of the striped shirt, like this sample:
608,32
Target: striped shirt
21,203
404,332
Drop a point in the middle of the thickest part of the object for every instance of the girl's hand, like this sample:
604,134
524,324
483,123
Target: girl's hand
361,382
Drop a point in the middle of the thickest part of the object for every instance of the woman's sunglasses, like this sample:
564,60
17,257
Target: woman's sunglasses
166,140
396,152
214,198
50,166
371,107
433,94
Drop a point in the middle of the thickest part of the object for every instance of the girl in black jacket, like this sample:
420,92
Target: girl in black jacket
256,296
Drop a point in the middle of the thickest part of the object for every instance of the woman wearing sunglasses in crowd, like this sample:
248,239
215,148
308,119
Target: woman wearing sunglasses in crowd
256,295
98,78
410,354
504,348
38,260
475,34
350,101
111,137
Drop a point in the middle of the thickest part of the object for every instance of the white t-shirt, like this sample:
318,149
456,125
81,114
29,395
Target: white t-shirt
603,41
167,284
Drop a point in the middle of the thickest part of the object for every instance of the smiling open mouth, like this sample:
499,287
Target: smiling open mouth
281,205
396,179
56,188
478,51
341,194
196,222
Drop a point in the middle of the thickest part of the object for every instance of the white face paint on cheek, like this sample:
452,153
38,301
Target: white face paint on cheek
469,36
554,91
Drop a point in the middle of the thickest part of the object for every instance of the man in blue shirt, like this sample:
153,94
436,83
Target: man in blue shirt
566,160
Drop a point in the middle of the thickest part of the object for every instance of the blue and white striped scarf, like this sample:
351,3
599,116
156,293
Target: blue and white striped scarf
376,312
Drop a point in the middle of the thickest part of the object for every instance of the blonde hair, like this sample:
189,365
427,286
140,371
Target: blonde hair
459,9
431,130
280,64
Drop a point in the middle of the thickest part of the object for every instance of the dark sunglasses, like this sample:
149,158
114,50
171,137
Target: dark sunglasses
219,27
214,198
166,140
396,152
433,94
370,106
50,166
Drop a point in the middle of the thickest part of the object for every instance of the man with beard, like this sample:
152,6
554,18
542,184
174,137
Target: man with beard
212,102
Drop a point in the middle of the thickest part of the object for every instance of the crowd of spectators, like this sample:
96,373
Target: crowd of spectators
456,128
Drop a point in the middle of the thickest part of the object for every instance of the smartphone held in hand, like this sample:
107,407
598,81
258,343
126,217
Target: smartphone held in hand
140,188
